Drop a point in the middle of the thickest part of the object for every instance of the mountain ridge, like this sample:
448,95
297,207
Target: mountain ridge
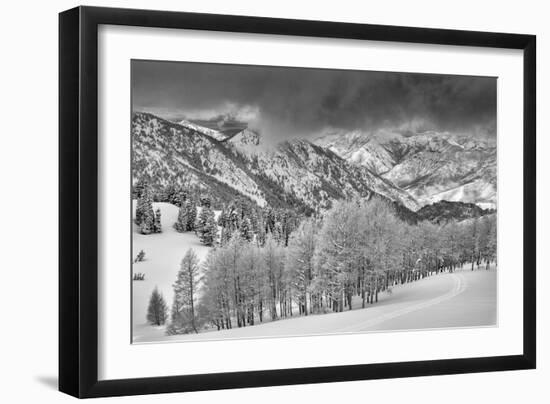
430,166
166,152
297,173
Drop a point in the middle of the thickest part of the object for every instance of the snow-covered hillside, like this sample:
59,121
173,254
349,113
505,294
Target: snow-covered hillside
165,153
314,175
163,254
429,166
461,299
202,129
359,148
295,173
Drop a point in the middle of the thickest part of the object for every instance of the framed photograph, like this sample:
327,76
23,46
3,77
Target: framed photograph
251,201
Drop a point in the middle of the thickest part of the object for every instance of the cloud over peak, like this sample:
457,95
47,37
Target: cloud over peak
287,102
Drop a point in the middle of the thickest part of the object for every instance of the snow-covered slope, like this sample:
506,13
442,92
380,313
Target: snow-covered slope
464,298
294,173
163,254
429,166
317,176
313,174
203,129
166,153
359,148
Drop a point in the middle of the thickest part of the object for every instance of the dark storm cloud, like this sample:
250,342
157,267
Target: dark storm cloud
290,102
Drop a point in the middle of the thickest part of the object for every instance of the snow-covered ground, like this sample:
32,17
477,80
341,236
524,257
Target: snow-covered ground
163,254
462,299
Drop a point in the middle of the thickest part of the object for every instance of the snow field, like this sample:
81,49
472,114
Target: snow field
163,254
461,299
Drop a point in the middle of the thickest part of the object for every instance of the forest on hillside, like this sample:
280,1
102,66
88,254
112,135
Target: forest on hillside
268,264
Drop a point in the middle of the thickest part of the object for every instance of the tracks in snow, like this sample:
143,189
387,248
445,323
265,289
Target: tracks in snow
460,285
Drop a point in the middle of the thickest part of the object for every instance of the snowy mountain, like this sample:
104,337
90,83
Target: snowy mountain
360,149
203,129
429,166
294,173
312,173
167,153
226,124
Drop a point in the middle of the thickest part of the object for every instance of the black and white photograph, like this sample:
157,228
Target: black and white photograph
281,201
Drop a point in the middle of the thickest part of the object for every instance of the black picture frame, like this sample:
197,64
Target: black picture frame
78,193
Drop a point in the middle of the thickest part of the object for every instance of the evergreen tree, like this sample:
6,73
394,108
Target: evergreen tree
205,201
183,318
207,226
191,212
139,186
157,225
156,312
145,216
182,223
179,198
246,230
147,225
171,194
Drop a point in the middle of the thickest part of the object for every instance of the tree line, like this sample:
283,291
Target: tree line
196,214
267,266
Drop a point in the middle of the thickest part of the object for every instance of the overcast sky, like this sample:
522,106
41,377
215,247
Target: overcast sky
295,102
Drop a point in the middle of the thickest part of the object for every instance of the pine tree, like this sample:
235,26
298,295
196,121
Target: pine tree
183,318
171,194
246,230
139,186
156,312
207,226
182,223
181,197
205,201
191,212
147,225
157,226
145,217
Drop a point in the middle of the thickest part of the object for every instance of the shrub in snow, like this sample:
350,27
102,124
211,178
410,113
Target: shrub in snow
140,257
